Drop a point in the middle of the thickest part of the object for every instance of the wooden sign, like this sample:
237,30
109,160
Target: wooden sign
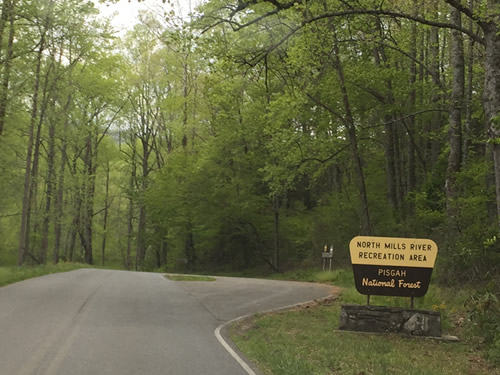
392,266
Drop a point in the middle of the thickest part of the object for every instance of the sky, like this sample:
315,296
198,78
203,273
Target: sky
124,12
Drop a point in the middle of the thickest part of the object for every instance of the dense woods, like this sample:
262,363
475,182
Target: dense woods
251,134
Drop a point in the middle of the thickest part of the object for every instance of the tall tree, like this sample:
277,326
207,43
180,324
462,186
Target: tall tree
456,109
31,154
7,21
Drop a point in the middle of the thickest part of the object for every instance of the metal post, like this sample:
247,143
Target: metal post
324,259
368,300
331,258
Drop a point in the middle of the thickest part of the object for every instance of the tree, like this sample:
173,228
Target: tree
232,15
7,20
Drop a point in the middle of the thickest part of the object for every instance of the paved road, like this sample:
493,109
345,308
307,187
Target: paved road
114,322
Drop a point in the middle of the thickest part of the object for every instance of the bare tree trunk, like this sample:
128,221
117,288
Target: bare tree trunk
130,221
392,157
141,225
366,227
141,238
8,13
75,224
492,97
86,232
468,96
27,195
106,213
411,177
399,167
455,111
189,247
436,123
49,189
276,209
130,233
390,163
163,250
4,17
185,105
59,201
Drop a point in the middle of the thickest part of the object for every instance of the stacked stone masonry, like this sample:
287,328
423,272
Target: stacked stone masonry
390,319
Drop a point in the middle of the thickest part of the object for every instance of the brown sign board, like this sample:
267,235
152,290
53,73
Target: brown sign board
388,266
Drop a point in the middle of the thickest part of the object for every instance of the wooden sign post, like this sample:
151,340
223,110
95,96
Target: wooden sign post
327,257
391,267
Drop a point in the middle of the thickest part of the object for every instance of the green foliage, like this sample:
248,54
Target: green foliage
473,253
10,275
429,213
484,312
225,148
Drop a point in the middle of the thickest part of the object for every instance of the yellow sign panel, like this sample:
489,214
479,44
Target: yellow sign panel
387,251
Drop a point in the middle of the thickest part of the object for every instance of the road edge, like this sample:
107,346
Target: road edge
226,345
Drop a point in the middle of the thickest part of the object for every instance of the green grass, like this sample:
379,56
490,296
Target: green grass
341,277
10,275
189,278
306,341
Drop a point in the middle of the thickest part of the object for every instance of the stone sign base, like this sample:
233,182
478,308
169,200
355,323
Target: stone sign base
390,319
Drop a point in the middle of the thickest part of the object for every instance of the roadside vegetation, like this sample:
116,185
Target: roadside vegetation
13,274
251,136
189,278
305,340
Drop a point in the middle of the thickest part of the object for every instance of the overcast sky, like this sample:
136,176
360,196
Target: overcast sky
124,12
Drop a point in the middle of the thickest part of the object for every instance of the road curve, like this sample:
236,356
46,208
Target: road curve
115,322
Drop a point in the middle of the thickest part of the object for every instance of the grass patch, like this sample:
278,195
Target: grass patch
304,341
10,275
340,277
189,278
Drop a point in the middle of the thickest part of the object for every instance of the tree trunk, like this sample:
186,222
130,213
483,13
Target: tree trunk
59,203
185,106
492,97
130,219
4,17
455,113
86,230
410,129
435,124
163,250
49,189
75,226
392,158
276,209
467,133
390,163
8,13
189,248
141,238
366,227
27,188
106,213
141,225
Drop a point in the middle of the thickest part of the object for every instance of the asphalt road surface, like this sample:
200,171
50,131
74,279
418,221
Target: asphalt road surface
115,322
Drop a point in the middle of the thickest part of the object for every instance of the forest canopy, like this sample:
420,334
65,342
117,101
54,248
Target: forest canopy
250,134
